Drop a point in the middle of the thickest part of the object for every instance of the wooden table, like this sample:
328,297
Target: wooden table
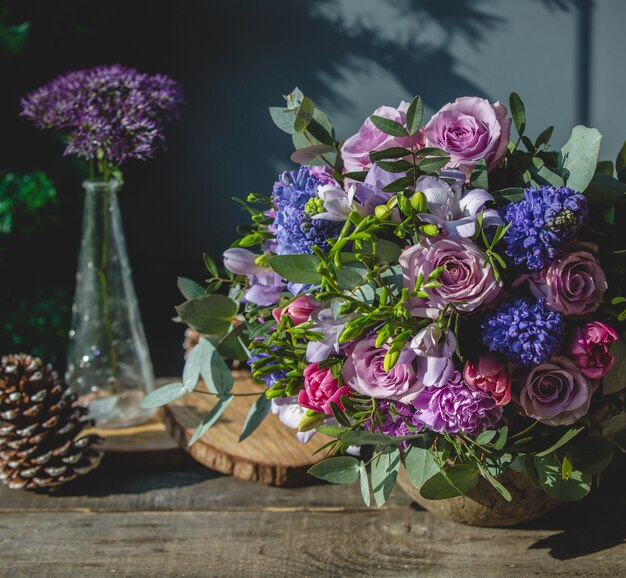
194,522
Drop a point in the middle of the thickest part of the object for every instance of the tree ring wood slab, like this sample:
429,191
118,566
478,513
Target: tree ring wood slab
272,455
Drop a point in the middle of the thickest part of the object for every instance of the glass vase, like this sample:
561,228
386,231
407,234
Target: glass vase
108,363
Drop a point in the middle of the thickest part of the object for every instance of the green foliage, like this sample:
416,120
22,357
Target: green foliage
450,482
579,157
209,314
339,470
25,201
518,113
558,481
258,412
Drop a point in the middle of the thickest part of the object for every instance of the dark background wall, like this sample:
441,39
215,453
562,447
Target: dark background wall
236,58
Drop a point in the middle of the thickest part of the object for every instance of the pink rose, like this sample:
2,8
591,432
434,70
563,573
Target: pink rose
468,279
573,285
356,150
490,375
298,311
470,129
556,392
589,348
320,389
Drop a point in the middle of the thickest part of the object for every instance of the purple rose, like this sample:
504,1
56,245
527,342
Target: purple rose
468,279
364,372
356,150
456,407
556,392
573,285
470,129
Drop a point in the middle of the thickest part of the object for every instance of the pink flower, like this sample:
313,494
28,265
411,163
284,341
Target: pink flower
298,311
573,285
589,348
320,389
468,279
490,375
556,392
470,129
356,150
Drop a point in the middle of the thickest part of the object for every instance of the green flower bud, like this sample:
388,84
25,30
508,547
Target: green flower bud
382,212
429,230
309,422
419,202
314,206
262,261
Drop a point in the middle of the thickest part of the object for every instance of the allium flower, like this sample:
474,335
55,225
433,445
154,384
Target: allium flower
541,224
297,231
112,111
556,392
525,332
589,348
456,407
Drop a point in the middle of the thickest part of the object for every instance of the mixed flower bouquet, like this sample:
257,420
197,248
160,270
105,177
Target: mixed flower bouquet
436,296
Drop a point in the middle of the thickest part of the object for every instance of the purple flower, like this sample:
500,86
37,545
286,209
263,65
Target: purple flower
434,347
264,289
356,150
273,378
557,393
108,112
331,329
396,419
574,284
369,193
470,129
541,224
525,332
451,210
364,372
456,407
468,280
242,262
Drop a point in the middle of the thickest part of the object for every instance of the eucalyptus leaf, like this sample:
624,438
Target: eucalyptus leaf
210,314
189,288
451,482
420,465
550,478
284,118
496,484
365,486
304,114
306,155
198,358
387,251
384,471
211,418
163,395
257,413
338,470
296,268
216,375
579,156
485,437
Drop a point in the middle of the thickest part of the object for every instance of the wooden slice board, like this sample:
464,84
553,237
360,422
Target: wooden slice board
272,455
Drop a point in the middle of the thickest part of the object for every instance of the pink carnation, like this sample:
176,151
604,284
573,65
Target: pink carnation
320,389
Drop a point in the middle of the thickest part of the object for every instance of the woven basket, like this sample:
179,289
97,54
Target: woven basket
483,506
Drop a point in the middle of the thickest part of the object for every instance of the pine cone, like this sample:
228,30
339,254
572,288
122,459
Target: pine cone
40,427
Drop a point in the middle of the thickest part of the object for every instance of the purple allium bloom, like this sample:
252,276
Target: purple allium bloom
524,331
296,231
541,223
273,378
112,111
456,407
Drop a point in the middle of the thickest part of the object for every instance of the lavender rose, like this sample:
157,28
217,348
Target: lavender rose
573,285
356,150
470,129
456,407
364,372
556,392
468,279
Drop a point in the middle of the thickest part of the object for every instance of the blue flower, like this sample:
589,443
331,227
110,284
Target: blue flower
541,223
524,331
296,230
273,378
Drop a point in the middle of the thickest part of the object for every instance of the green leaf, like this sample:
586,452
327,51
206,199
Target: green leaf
365,486
480,178
338,470
592,455
306,155
511,194
616,379
613,425
320,130
387,251
432,164
284,118
351,275
297,268
603,189
620,162
420,465
163,395
189,288
518,113
500,441
199,357
605,168
400,166
332,430
356,175
210,265
304,114
496,484
367,438
398,185
485,437
258,412
216,375
451,482
231,347
211,418
550,478
569,435
544,137
414,115
210,314
542,175
388,126
579,157
390,153
384,471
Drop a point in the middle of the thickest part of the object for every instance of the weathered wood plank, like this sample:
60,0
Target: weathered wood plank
392,542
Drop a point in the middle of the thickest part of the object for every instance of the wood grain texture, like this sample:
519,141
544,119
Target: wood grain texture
272,455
